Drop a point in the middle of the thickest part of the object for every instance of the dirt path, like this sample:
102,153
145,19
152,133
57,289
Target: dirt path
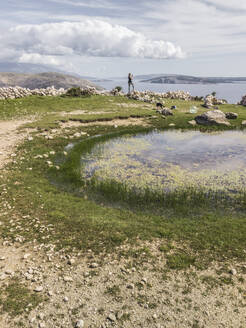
9,138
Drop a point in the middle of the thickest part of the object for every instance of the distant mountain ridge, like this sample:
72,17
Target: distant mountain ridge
187,79
43,80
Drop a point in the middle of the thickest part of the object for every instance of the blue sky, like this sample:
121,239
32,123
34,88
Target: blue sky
106,38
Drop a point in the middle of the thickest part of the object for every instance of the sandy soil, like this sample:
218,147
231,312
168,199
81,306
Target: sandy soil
9,138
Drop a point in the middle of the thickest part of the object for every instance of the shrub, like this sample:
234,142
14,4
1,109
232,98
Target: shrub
118,88
78,92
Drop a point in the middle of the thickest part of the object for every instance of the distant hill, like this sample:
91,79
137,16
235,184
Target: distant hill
186,79
27,68
43,80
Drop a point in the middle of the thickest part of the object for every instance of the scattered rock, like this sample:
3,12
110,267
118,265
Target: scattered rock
166,112
231,115
40,316
65,299
211,101
193,122
155,316
111,317
26,256
41,325
244,123
67,279
38,289
130,286
71,261
233,271
93,265
79,324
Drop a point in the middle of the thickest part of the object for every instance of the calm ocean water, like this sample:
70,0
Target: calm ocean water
232,92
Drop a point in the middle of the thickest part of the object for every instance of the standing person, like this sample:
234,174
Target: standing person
130,82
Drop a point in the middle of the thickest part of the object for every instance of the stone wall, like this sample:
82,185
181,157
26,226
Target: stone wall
18,92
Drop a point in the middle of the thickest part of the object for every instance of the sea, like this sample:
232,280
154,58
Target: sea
232,92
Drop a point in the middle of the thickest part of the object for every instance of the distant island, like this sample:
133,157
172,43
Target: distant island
187,79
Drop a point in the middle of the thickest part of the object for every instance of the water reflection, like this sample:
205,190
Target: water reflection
170,160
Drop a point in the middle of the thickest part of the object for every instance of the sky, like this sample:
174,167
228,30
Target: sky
105,38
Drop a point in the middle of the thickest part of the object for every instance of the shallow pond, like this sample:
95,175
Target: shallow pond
171,160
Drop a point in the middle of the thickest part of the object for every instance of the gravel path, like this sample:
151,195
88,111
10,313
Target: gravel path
9,138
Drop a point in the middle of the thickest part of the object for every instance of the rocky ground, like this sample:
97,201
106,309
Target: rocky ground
130,287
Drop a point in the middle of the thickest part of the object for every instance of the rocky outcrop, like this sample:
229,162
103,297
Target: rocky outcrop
213,117
211,101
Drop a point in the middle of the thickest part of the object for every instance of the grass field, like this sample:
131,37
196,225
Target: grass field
81,218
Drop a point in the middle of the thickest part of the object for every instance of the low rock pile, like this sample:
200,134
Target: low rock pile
243,101
211,101
152,97
18,92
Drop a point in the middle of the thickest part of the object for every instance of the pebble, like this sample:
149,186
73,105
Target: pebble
192,122
41,325
67,279
26,256
38,289
111,317
71,261
233,271
2,258
93,265
40,316
65,299
79,324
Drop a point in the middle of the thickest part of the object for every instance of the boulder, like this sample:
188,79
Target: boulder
212,117
166,112
231,115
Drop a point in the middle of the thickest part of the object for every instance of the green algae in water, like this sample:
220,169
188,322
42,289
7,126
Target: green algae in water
170,161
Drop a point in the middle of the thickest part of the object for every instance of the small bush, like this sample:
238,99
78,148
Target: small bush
118,88
78,92
74,92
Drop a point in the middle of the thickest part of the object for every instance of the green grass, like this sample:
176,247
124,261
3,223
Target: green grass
16,298
84,219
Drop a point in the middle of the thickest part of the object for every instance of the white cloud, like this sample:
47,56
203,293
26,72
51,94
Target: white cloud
206,27
43,43
33,58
